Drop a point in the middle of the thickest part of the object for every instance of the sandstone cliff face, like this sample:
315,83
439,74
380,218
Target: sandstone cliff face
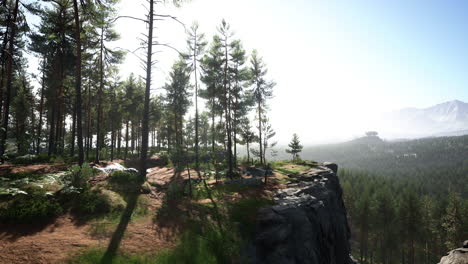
308,224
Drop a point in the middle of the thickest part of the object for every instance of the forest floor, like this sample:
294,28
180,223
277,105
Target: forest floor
65,237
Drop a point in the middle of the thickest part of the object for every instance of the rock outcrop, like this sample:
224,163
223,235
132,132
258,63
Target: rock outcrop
456,256
308,224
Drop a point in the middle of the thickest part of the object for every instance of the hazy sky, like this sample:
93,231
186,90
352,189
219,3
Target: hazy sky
337,64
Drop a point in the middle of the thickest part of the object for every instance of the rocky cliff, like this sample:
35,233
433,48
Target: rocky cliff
456,256
308,224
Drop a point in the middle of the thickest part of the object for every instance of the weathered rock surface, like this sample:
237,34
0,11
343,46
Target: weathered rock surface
456,256
308,224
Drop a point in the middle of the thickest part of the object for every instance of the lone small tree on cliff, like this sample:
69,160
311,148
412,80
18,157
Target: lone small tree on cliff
295,147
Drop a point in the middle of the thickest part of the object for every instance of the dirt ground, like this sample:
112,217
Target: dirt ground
65,237
38,168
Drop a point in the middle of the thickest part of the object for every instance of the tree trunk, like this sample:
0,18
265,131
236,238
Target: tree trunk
2,56
126,142
9,84
197,153
73,132
78,84
260,132
99,104
41,106
119,141
248,153
144,132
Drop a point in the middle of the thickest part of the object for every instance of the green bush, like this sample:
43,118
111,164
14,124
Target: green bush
35,207
122,177
91,203
79,176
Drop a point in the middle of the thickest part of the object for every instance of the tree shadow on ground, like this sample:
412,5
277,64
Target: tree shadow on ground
14,231
119,232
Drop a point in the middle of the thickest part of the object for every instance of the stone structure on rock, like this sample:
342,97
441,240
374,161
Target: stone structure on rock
308,224
457,256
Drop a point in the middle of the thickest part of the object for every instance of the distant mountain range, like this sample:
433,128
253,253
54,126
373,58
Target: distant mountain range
445,119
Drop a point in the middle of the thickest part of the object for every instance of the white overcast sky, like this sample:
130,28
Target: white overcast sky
337,65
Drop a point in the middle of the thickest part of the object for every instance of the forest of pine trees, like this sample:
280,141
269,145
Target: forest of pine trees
398,220
214,101
86,112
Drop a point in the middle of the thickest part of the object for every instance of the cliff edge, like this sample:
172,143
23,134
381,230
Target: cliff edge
308,224
456,256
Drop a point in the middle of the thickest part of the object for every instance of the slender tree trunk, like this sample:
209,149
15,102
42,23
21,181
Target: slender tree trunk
119,141
2,57
9,84
149,63
50,149
78,83
197,152
99,104
89,135
227,101
41,106
212,128
73,132
126,141
248,153
260,132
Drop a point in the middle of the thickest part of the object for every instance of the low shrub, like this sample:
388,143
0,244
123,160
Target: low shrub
79,176
91,203
35,207
123,177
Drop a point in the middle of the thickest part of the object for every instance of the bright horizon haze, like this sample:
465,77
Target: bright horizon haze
337,65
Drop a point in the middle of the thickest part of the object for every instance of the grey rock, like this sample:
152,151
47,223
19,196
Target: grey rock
257,172
331,166
131,170
456,256
246,181
308,224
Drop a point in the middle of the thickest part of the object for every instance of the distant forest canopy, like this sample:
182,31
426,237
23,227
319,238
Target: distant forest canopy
436,164
400,220
407,201
82,107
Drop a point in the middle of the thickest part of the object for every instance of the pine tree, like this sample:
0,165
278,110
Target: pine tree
454,221
196,43
9,79
177,101
211,65
295,147
262,91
